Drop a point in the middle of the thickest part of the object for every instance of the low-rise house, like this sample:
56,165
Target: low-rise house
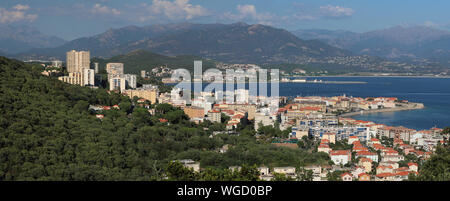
340,156
288,171
389,152
284,170
367,154
359,149
263,170
394,165
366,163
324,148
401,169
191,164
363,177
330,136
385,177
316,169
374,141
346,177
413,167
394,158
357,171
352,139
384,169
400,176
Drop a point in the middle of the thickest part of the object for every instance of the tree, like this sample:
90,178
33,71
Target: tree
437,168
281,177
81,106
176,171
164,108
304,175
334,176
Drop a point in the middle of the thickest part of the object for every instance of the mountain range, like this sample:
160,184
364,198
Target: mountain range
16,39
395,42
234,43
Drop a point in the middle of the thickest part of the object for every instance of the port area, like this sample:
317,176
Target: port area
399,107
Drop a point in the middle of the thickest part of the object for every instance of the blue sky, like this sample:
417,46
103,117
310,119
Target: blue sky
72,19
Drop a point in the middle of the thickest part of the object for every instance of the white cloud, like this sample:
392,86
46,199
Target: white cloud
248,12
173,10
98,8
336,11
21,7
17,13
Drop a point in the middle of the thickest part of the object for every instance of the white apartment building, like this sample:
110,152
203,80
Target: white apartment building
77,61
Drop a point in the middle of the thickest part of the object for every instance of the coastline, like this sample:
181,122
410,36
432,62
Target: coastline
414,106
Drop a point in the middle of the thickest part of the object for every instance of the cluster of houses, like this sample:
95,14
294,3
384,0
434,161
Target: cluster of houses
367,157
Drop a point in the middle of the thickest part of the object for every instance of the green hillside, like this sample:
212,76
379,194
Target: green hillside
138,60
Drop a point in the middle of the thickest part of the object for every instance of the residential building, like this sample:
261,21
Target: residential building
114,69
367,154
413,167
214,116
340,156
194,112
363,177
130,80
324,148
366,163
88,77
117,83
76,61
346,177
191,164
329,136
148,92
75,78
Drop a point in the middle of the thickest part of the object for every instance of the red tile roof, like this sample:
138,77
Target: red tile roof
340,152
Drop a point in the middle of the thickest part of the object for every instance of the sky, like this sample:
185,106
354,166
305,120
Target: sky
71,19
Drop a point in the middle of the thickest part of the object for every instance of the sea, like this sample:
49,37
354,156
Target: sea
434,93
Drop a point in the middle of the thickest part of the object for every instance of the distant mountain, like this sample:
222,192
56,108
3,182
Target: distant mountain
338,38
138,60
106,44
237,43
15,39
395,42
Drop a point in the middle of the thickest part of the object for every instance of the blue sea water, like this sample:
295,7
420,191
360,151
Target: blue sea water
434,93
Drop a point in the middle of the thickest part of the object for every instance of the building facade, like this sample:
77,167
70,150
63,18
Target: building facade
77,61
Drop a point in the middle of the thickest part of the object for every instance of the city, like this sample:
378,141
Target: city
359,150
239,99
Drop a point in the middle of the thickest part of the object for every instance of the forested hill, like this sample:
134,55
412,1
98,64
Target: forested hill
48,133
138,60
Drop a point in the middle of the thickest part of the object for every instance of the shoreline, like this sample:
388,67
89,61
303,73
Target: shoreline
416,106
